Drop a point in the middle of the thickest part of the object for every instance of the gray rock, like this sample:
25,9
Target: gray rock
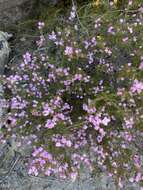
4,50
4,56
49,2
12,11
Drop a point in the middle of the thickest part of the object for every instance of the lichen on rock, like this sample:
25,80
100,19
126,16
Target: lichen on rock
4,56
4,50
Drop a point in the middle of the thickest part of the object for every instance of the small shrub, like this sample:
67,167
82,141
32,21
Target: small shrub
77,100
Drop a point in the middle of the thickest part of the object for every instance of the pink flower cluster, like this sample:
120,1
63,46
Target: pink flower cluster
77,100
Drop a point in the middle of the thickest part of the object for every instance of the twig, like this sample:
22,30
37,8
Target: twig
73,4
10,170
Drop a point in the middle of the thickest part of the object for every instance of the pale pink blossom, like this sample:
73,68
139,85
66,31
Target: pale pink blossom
105,121
69,51
50,124
137,87
141,65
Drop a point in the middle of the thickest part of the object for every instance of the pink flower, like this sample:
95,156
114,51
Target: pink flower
125,39
105,121
41,25
68,143
99,138
141,65
90,57
69,51
127,136
128,123
137,86
94,42
86,44
111,30
72,13
33,171
108,51
120,91
52,36
58,144
120,183
27,57
130,2
73,176
50,124
138,177
102,132
47,110
131,179
49,171
137,161
95,120
78,77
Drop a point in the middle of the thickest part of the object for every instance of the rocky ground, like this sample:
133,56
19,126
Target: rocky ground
13,176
